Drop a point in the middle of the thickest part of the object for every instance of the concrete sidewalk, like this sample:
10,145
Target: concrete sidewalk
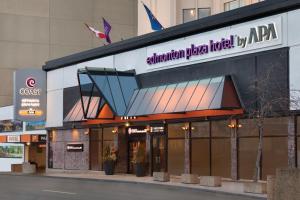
228,186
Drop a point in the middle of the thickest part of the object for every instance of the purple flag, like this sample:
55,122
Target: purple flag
107,29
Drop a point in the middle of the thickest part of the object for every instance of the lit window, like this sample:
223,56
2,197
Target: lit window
203,12
233,4
189,15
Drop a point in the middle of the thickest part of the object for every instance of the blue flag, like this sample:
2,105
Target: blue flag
155,25
107,29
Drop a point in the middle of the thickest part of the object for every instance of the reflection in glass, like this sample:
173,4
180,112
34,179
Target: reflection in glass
221,157
200,157
176,156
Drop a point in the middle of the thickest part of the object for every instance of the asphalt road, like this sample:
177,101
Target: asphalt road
47,188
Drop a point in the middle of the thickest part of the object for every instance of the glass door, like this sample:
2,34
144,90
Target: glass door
159,161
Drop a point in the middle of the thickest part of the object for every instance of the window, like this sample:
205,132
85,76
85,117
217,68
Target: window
200,148
233,4
203,12
176,144
189,15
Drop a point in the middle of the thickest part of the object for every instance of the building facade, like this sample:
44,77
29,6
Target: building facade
174,12
35,31
21,141
191,96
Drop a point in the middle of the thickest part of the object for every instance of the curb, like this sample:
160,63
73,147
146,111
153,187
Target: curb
169,187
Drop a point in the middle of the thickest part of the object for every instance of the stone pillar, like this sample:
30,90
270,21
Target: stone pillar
292,142
187,151
121,146
234,150
148,152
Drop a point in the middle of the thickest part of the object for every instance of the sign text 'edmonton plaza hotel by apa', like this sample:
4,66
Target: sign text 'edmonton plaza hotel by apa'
190,95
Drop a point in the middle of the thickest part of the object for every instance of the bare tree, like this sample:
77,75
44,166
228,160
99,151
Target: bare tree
268,101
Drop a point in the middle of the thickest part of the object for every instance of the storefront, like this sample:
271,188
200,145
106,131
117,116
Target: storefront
190,97
21,142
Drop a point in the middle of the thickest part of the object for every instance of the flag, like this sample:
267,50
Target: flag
96,32
107,29
155,25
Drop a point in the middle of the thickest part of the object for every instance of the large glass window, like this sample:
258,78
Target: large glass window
275,155
176,144
200,157
233,4
220,128
189,15
221,148
108,137
247,157
176,156
200,148
203,12
221,157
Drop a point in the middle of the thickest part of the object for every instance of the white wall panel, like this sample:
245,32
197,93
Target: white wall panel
293,28
54,108
55,79
129,60
70,72
295,76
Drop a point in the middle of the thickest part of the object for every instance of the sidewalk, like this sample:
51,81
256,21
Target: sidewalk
228,186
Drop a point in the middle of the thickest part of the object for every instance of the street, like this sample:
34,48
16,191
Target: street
45,188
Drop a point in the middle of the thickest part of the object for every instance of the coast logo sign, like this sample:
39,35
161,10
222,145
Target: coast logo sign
30,82
30,95
244,40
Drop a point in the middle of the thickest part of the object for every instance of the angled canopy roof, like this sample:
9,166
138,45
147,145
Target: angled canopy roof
105,88
195,95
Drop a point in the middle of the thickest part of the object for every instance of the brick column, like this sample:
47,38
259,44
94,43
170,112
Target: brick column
292,142
234,151
187,151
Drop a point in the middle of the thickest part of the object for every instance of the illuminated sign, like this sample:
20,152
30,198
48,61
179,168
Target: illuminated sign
257,34
211,45
137,130
30,95
75,147
157,129
13,138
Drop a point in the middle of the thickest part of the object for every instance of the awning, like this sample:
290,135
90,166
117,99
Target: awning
204,94
105,91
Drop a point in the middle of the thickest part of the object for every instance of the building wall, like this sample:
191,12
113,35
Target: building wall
63,159
34,31
169,12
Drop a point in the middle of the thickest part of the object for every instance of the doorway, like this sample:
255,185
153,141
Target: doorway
159,153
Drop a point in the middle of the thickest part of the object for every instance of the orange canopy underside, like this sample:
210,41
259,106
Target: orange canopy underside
192,114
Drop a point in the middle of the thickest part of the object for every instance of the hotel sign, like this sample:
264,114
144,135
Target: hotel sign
30,95
75,147
211,45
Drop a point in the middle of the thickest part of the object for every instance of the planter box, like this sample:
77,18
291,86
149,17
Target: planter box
25,168
161,176
210,181
255,187
189,178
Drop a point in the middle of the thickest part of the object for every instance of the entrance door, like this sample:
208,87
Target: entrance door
133,148
159,161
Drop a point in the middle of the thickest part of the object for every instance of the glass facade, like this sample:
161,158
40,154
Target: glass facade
176,146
